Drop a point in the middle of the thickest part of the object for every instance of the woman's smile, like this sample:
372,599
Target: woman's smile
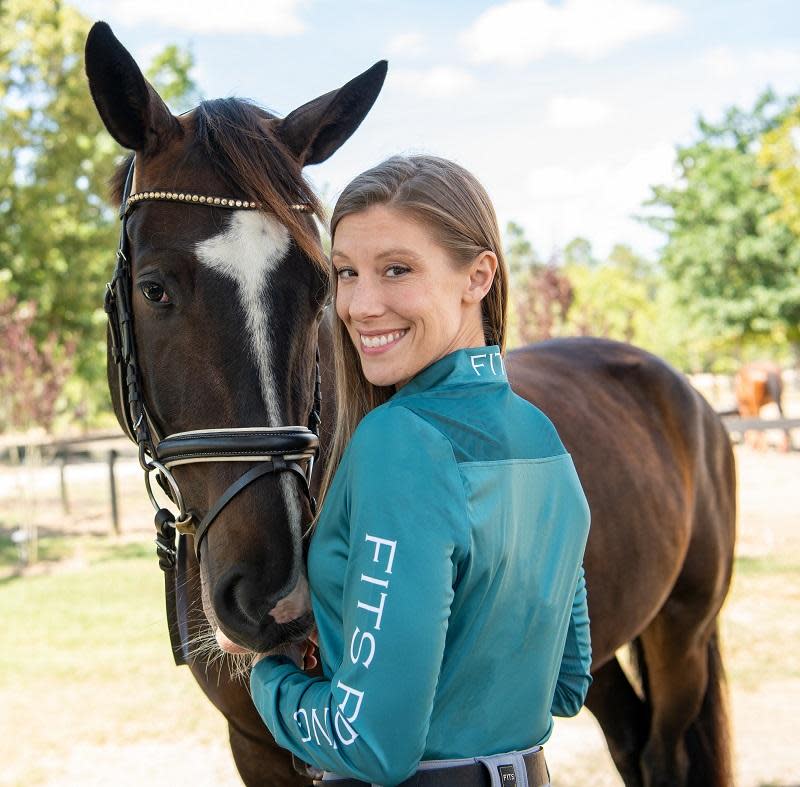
375,343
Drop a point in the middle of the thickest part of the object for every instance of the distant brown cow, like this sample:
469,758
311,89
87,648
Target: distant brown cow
759,383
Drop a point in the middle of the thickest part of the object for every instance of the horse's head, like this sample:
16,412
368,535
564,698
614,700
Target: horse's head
226,306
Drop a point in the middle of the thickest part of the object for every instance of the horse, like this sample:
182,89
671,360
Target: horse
756,384
228,306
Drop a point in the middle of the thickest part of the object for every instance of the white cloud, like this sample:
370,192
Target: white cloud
276,17
407,45
597,202
437,82
726,63
577,112
521,31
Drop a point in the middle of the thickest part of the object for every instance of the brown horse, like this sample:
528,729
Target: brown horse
228,307
757,384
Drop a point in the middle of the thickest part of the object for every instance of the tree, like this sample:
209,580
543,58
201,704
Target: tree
170,74
614,298
543,305
734,267
780,155
539,294
32,374
519,253
579,252
57,232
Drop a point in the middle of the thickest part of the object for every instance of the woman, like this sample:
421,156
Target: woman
446,564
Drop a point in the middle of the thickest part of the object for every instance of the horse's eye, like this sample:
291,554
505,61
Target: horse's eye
154,292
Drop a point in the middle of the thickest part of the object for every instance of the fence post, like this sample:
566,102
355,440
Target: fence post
62,466
112,481
33,457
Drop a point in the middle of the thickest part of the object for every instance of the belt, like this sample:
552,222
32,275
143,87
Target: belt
501,770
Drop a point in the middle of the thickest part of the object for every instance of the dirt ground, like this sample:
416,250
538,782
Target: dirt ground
760,639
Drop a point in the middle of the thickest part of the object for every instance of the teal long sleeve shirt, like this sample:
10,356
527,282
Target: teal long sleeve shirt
446,581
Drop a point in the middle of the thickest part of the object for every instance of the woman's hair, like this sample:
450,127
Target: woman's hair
456,209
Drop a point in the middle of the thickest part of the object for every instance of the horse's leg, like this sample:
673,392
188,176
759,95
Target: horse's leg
259,760
776,392
623,717
676,660
688,743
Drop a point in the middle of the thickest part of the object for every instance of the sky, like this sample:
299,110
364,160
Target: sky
568,112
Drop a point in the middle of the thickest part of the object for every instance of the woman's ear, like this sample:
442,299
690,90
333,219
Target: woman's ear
481,275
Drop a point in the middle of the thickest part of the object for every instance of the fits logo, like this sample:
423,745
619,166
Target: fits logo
508,776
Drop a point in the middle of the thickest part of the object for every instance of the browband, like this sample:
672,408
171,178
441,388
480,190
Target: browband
202,199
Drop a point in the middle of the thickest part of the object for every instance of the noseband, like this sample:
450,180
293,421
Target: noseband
274,449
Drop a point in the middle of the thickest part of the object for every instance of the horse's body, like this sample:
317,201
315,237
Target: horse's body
757,384
227,314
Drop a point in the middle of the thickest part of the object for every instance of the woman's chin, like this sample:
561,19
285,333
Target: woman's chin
383,375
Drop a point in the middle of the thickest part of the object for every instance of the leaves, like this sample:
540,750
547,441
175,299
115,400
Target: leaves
57,232
780,155
734,263
32,374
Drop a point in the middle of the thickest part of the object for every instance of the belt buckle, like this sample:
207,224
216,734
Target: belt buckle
506,769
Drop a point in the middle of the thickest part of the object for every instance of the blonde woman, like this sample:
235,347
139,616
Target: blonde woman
446,563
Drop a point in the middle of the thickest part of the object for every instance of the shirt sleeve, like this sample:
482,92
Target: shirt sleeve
574,678
407,528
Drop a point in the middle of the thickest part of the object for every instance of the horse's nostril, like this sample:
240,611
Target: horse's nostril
232,602
246,609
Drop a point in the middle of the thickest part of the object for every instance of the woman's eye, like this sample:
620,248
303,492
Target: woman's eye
154,292
344,273
396,270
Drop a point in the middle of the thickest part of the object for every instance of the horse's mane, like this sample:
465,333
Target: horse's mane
253,161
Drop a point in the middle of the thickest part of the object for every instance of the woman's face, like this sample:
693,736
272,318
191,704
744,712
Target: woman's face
404,302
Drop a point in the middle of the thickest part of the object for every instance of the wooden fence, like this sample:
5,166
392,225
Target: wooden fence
106,447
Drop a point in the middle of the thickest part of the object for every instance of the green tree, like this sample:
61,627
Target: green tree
735,269
170,74
614,298
57,231
519,253
579,252
780,154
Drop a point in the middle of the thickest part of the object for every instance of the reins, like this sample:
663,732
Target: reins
274,448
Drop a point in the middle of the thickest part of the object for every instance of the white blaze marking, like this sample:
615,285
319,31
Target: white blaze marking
248,251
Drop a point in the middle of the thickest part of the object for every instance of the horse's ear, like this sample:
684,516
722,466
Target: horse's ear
319,128
129,106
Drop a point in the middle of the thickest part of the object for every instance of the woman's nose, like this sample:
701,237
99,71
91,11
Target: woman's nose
365,299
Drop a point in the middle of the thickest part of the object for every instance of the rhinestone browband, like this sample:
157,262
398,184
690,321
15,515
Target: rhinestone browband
201,199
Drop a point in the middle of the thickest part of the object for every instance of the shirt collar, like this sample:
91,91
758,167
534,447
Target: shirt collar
467,365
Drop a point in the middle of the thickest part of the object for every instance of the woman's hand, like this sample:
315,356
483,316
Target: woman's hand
301,653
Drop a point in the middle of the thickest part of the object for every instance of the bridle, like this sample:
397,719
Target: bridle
274,448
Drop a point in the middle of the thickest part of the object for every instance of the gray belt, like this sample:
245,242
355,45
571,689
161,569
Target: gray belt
510,769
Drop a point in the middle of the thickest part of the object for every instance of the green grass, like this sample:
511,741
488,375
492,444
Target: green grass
50,549
87,659
760,624
767,566
88,548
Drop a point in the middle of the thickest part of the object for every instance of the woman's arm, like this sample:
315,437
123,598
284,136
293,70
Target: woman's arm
407,522
573,676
